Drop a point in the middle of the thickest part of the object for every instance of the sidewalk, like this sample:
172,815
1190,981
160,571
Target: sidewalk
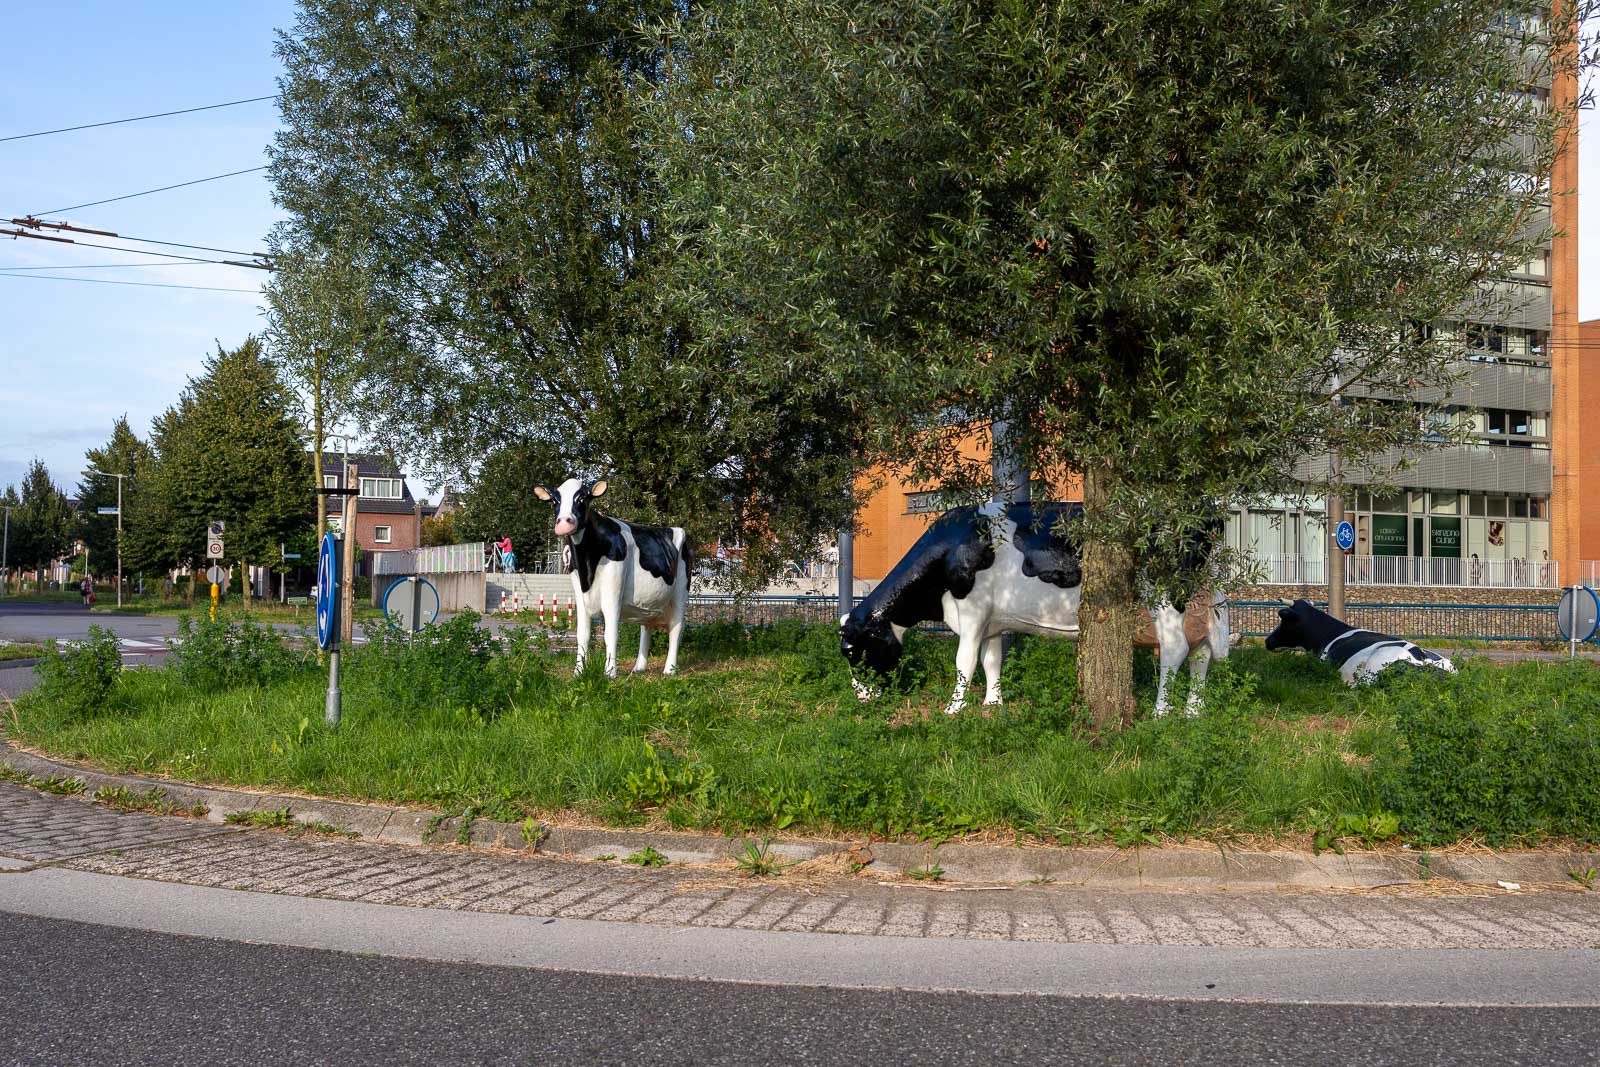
40,831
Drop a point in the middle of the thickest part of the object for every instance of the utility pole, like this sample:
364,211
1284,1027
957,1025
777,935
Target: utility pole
347,591
1335,517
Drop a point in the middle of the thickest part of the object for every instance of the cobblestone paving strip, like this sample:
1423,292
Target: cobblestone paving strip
74,833
41,827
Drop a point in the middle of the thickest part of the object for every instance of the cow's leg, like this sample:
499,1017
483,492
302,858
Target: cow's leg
644,649
967,645
1219,638
680,604
585,633
612,625
994,651
1199,665
1172,649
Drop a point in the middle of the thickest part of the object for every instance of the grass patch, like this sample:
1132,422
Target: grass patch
11,651
647,857
153,801
761,733
281,819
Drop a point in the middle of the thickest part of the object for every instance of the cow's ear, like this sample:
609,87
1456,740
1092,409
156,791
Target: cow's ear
843,619
598,489
541,492
1285,614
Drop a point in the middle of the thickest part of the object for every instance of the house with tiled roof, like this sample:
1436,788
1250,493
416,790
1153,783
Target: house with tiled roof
387,515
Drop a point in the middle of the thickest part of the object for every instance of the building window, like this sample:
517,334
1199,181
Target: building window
380,534
336,523
925,503
330,481
383,488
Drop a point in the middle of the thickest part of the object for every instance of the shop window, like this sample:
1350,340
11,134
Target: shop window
1497,507
1445,503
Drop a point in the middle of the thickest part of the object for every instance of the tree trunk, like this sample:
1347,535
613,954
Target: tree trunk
244,583
1109,617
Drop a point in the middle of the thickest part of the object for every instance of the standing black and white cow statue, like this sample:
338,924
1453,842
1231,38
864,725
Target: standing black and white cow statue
625,571
987,571
1359,654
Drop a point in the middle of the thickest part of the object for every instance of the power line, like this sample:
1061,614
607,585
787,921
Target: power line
137,118
147,192
34,224
105,266
108,281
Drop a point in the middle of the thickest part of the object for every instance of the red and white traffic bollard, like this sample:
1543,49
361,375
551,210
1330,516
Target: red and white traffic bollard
502,601
541,610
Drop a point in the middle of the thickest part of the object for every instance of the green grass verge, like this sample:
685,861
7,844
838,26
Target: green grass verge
761,732
21,651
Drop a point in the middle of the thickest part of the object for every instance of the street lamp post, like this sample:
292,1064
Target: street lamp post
119,478
5,550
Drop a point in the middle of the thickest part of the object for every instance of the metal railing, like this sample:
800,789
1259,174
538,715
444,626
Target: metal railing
438,559
1417,570
1422,622
1252,618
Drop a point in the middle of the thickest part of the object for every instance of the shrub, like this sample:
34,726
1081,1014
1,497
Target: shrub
80,679
209,657
1501,752
450,663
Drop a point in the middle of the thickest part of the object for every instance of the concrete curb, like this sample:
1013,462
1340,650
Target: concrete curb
1212,867
8,664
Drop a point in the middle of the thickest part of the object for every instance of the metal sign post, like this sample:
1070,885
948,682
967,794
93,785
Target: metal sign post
328,623
1578,616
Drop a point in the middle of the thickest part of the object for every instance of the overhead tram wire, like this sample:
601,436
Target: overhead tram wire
143,285
138,118
264,261
147,192
108,266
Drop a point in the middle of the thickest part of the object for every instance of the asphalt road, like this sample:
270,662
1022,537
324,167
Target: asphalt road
85,994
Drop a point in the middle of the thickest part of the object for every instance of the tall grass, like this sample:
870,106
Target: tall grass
762,732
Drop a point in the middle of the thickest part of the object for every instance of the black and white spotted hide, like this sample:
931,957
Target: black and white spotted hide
1359,654
623,571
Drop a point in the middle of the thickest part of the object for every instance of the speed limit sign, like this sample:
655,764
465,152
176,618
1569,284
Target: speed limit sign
214,548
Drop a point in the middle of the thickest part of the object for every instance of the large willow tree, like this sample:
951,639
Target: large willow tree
1156,237
480,177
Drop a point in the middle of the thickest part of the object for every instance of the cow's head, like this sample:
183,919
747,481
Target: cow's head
1300,626
868,642
571,503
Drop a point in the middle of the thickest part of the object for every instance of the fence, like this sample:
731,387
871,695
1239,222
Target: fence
439,559
1252,618
1433,622
1418,570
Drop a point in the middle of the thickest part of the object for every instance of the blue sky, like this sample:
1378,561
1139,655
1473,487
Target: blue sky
75,356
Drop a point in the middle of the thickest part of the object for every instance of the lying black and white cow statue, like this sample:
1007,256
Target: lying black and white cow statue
985,572
1359,654
626,571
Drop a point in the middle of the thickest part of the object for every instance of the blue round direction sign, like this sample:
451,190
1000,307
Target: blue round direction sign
1344,535
328,592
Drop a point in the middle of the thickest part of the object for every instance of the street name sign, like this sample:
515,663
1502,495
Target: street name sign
108,511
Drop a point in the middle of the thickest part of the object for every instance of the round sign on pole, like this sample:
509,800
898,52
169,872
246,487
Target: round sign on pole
1578,614
215,574
411,602
1344,535
328,592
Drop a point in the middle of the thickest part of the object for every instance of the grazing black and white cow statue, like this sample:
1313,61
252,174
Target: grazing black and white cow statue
1359,654
626,571
987,571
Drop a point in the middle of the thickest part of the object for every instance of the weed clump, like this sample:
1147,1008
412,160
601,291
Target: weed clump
211,657
79,680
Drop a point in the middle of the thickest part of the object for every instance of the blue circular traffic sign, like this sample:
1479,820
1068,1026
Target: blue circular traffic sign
1344,535
328,591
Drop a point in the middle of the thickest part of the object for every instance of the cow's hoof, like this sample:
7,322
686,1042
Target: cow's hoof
670,670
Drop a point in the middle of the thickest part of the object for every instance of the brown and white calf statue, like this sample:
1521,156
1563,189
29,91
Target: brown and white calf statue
991,570
623,571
